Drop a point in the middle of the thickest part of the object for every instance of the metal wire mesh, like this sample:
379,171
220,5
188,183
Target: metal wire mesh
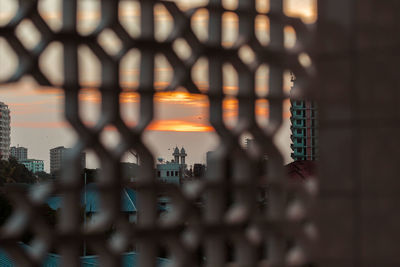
230,227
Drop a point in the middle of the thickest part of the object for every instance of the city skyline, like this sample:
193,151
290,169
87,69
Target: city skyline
180,118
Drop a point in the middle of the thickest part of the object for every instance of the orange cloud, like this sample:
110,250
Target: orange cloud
90,95
178,126
183,125
178,97
196,123
160,125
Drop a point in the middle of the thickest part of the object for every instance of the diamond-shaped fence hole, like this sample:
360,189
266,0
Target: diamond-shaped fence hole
262,77
163,23
89,67
92,166
287,81
262,112
28,34
230,29
130,162
130,70
230,4
230,111
88,16
246,54
230,80
129,107
282,137
163,72
289,37
199,23
247,141
305,60
110,42
307,12
129,17
51,63
200,74
51,12
182,48
262,6
8,59
110,137
262,29
8,9
89,106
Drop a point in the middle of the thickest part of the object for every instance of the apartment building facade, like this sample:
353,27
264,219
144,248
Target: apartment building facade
20,153
5,131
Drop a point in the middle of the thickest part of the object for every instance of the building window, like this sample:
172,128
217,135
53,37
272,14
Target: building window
167,173
176,173
158,173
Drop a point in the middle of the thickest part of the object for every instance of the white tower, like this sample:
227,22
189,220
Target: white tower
176,155
183,155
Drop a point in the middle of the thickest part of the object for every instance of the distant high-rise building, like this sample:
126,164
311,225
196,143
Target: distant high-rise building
304,129
20,153
57,156
209,158
34,165
5,131
199,170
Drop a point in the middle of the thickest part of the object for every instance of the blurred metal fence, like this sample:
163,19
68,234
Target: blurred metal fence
231,228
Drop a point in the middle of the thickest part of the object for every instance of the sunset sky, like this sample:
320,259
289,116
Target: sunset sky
180,118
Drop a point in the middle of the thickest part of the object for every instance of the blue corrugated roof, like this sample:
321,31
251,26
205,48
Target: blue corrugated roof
53,260
128,200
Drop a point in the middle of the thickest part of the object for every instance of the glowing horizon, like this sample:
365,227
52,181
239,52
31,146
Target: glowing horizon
195,123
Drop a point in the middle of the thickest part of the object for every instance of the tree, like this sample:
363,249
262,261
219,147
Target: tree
13,172
43,176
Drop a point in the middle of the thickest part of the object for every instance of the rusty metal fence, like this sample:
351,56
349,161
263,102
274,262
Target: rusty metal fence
230,228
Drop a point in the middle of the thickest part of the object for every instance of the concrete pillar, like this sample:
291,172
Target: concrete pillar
358,93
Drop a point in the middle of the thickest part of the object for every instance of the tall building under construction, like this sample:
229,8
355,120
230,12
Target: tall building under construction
304,126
